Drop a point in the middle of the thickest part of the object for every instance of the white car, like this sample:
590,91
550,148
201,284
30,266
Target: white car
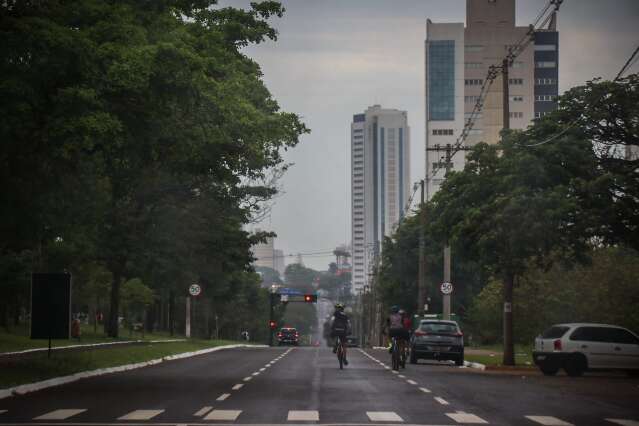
578,347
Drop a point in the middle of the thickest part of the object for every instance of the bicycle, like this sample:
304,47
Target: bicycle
341,355
395,355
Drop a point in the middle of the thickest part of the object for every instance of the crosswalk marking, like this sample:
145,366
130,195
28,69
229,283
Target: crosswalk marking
383,416
238,386
466,418
441,400
203,411
624,422
3,411
223,397
424,390
302,416
141,415
548,421
411,382
60,414
223,415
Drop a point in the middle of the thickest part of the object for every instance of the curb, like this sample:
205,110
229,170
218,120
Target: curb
57,381
475,365
90,345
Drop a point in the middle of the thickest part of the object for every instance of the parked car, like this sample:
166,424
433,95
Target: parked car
580,347
288,336
439,340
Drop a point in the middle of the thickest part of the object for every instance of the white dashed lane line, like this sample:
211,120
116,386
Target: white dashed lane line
441,400
223,397
247,379
424,390
623,422
202,411
411,382
238,386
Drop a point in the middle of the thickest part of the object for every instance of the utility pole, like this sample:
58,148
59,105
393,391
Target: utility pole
188,317
509,356
422,293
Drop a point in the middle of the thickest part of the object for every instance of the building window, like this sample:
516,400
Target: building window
545,64
473,82
545,81
442,132
516,114
473,65
475,132
516,98
516,81
517,64
545,47
544,98
477,115
441,79
473,48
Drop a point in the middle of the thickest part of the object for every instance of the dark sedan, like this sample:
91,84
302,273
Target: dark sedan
438,340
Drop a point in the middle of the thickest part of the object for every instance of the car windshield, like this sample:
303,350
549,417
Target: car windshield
554,332
438,328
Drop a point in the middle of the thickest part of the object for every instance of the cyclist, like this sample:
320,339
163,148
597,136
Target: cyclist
395,323
340,327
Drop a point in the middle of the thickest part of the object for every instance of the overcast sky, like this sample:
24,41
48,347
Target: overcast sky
334,58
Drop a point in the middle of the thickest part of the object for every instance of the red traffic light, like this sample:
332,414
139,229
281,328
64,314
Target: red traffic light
310,298
272,324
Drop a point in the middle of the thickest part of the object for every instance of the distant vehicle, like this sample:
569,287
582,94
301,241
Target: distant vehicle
438,340
352,341
579,347
288,336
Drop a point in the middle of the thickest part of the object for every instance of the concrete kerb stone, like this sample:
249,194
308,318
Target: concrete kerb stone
57,381
90,345
476,365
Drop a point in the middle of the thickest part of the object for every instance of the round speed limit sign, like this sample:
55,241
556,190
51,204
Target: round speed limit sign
446,288
195,290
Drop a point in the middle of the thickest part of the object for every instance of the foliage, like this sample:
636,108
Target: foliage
300,277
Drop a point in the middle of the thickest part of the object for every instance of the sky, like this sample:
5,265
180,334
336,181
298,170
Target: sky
334,58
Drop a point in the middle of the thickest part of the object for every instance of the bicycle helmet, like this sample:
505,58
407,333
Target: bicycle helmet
394,309
339,307
402,312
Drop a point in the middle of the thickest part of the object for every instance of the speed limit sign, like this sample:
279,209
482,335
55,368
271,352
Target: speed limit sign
195,290
446,288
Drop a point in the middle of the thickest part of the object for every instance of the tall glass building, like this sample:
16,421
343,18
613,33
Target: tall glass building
380,183
457,59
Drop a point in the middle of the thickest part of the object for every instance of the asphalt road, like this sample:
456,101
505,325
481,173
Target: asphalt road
305,386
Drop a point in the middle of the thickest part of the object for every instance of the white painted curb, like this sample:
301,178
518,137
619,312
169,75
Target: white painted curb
57,381
474,365
90,345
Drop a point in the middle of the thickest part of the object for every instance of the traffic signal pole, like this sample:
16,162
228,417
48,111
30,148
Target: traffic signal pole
270,319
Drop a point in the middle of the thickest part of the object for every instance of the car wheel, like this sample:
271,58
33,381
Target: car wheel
413,357
460,360
549,370
633,373
576,365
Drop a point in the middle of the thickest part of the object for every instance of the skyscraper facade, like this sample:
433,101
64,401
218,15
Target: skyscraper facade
380,174
457,61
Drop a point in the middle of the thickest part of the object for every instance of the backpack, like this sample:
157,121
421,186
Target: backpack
395,321
340,323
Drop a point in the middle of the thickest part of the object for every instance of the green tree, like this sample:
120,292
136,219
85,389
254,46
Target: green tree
300,277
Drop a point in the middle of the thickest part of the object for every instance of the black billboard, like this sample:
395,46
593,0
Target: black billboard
50,305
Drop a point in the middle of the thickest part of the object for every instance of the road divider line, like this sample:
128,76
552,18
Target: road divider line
223,397
141,415
401,376
263,368
623,422
247,379
61,414
441,400
257,373
203,411
411,382
238,386
424,390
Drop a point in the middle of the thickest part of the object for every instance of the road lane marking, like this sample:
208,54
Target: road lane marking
203,411
223,415
387,367
141,415
263,368
3,411
60,414
247,379
624,422
383,416
466,418
401,376
424,390
441,400
395,372
411,382
548,421
257,373
238,386
223,397
303,416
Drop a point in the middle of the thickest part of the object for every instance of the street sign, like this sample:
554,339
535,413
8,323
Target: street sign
446,288
50,305
195,290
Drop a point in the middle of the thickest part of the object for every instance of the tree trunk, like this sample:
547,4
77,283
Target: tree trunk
114,310
509,347
171,313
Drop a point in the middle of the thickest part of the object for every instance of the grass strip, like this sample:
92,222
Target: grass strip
522,360
39,368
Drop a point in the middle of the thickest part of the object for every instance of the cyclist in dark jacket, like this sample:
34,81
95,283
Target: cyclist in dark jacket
340,327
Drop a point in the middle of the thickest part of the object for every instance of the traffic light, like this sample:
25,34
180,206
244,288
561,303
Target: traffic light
310,298
272,324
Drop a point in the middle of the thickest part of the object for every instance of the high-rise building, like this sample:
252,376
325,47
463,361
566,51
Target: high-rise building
457,62
380,174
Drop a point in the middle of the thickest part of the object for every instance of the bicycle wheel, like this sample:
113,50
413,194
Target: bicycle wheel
340,357
395,357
